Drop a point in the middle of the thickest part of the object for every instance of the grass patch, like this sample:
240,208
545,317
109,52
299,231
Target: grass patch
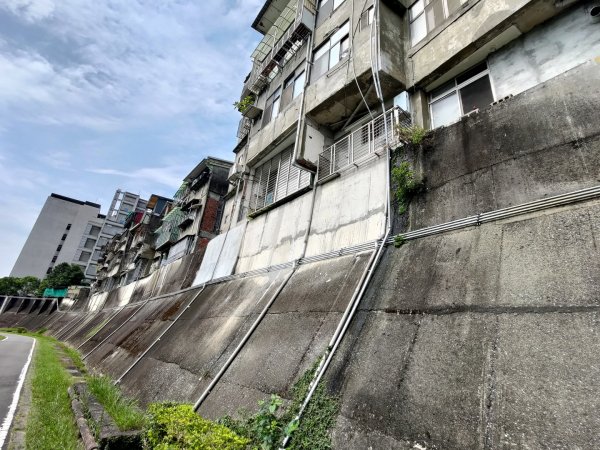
125,412
74,356
17,330
2,337
50,424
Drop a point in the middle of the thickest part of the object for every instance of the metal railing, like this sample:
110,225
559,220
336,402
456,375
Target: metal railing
244,127
363,142
289,42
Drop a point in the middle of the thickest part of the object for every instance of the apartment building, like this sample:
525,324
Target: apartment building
195,217
129,255
65,230
122,205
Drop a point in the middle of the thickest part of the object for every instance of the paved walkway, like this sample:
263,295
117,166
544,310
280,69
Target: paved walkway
15,355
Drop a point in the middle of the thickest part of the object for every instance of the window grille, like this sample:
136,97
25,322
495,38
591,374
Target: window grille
276,179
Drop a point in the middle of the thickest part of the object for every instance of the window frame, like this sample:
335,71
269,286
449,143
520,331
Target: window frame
455,90
334,41
423,12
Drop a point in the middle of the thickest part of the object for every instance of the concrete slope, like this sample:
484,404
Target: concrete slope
123,348
479,339
116,322
181,365
290,338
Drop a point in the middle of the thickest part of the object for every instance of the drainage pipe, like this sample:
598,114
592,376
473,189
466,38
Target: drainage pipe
503,213
116,329
265,310
299,139
348,315
139,358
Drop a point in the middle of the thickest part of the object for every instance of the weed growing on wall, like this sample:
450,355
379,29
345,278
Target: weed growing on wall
413,134
267,428
405,184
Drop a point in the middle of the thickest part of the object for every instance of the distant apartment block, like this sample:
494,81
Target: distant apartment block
66,230
122,205
168,229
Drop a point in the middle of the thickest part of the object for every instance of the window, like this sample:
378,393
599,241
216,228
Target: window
276,179
68,226
426,15
59,248
49,270
272,107
85,256
331,52
467,92
89,243
366,18
326,8
292,87
64,236
94,230
54,258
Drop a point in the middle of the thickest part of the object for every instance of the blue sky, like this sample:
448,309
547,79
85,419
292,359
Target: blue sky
106,94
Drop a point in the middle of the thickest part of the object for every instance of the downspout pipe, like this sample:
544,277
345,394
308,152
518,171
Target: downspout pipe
264,311
362,286
139,358
299,140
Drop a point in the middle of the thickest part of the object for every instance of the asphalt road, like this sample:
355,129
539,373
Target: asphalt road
15,354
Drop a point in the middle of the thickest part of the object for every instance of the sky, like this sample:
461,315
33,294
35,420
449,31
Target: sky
106,94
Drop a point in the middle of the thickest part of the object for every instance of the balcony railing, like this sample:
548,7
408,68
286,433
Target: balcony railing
359,145
289,42
244,128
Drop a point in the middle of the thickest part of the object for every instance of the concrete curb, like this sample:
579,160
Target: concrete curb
86,434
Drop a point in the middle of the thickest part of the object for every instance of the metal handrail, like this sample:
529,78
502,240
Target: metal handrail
363,142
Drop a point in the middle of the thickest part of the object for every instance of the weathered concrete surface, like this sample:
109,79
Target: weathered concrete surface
546,51
479,339
177,367
543,142
121,350
122,316
290,338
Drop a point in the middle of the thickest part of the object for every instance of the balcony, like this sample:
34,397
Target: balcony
285,37
244,128
366,142
235,172
167,238
187,220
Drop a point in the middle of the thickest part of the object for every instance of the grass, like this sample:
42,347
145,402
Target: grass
125,412
50,424
2,337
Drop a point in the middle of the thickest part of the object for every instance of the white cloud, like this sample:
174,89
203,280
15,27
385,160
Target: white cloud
31,10
137,61
170,176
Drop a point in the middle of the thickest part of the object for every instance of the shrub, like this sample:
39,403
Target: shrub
399,241
412,134
406,185
172,426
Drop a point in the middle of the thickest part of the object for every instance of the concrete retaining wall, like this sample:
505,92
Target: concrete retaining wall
483,338
543,142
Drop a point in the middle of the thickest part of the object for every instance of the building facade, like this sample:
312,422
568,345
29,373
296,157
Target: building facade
65,230
130,254
333,81
122,206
